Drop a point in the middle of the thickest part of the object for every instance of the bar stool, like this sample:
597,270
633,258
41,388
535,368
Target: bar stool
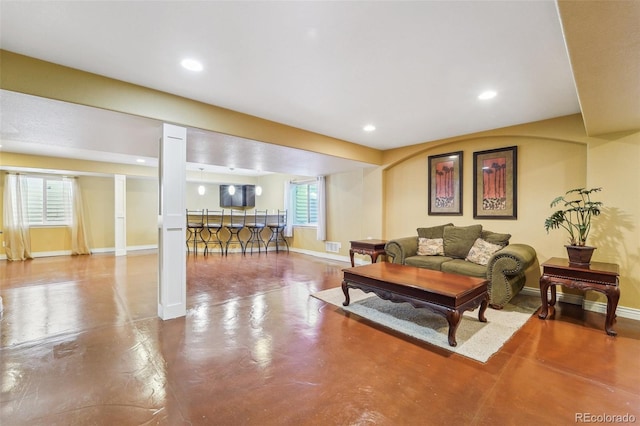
256,227
195,226
277,230
235,225
215,220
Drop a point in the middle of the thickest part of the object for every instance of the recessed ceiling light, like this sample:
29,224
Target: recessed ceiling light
140,160
489,94
191,64
312,33
369,128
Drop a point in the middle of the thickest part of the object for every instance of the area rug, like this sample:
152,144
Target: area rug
476,340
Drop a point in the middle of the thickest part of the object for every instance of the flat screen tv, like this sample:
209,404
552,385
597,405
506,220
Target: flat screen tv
244,196
249,194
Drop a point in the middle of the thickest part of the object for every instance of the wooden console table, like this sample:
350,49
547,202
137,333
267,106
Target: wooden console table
373,248
598,276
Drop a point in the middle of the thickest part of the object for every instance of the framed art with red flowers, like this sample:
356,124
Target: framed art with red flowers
445,184
495,194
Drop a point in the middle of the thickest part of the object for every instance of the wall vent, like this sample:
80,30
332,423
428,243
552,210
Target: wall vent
332,246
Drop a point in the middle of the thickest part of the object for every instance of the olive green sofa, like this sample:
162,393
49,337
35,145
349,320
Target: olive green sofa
471,251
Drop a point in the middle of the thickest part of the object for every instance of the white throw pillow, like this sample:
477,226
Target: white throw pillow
430,246
481,252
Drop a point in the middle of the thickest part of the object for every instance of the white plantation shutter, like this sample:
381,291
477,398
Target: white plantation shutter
34,198
300,200
48,201
56,206
313,203
306,204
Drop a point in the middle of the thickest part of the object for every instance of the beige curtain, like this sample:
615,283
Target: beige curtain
321,233
16,227
79,244
289,200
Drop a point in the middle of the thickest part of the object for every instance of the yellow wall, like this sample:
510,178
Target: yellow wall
553,157
99,207
304,237
543,172
99,204
344,209
141,199
142,212
272,197
50,239
613,164
390,200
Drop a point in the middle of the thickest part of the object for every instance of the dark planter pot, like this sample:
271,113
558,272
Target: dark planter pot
580,255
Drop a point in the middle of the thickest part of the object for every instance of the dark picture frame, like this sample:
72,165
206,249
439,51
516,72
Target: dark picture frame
445,184
495,190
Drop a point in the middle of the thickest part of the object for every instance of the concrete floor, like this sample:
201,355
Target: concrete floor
81,344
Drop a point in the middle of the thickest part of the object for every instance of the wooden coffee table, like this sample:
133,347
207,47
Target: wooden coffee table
444,293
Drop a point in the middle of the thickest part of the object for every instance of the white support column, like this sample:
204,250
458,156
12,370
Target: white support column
120,191
172,272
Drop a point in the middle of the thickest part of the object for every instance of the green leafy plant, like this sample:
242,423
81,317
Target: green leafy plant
576,215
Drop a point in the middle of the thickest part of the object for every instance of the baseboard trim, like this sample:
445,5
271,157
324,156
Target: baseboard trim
129,248
330,256
37,254
51,253
169,312
588,305
143,247
600,307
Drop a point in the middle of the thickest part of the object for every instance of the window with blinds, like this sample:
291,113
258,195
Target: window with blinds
306,204
48,200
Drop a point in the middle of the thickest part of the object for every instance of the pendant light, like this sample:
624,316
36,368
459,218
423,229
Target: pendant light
258,188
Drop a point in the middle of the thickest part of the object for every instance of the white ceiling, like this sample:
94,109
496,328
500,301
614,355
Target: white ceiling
30,124
413,69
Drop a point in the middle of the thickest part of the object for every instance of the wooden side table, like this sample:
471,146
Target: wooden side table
373,248
598,276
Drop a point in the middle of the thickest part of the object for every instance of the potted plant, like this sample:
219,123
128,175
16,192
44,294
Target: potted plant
575,217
